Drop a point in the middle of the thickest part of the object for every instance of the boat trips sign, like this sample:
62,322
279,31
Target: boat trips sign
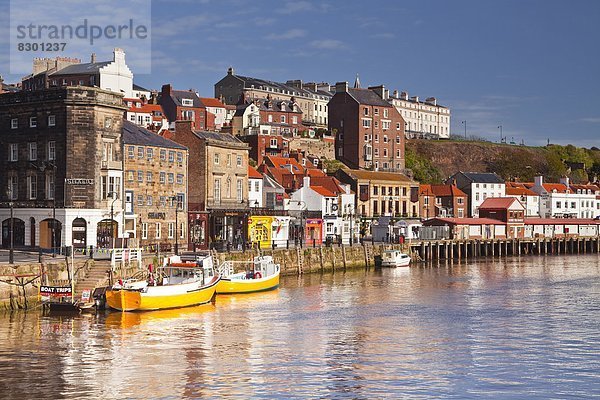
55,292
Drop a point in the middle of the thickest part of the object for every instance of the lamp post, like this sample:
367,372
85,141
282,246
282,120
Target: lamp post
53,183
11,255
176,199
350,214
115,197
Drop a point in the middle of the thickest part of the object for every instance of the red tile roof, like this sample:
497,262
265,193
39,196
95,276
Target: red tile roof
559,187
146,108
328,182
253,173
520,191
212,102
498,203
447,190
322,191
425,190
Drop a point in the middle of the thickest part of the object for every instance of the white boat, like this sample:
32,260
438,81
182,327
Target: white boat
394,258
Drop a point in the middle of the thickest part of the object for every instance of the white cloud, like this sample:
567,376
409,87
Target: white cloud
290,34
328,44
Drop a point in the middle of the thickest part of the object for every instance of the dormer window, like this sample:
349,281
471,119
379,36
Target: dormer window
187,102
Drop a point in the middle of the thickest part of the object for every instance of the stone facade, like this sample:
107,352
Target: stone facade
155,188
61,161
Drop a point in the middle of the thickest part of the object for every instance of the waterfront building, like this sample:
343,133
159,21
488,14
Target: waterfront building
423,119
311,98
155,188
62,167
470,228
442,201
526,196
565,200
478,186
508,210
368,130
218,205
114,75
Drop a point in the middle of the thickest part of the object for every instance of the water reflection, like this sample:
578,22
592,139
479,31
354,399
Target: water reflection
520,327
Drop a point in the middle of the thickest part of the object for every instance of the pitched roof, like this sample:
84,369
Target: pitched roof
134,134
447,190
483,177
212,102
178,95
283,162
559,187
139,88
497,202
425,190
220,137
328,182
376,175
253,173
519,191
369,97
278,87
323,191
87,68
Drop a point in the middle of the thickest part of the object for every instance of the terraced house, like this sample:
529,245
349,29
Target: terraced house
155,188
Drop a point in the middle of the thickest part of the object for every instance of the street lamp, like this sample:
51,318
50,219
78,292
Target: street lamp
115,197
350,213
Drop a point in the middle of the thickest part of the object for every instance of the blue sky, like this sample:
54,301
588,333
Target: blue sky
530,66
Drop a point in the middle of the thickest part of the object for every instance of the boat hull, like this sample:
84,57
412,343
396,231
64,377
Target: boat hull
231,285
161,297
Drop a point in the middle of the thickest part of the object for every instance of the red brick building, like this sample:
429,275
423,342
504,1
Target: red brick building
265,145
369,131
183,105
442,201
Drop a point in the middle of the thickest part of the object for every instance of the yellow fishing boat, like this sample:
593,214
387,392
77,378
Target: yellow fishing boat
263,275
176,285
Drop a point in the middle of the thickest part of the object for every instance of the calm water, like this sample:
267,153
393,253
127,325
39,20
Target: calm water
519,328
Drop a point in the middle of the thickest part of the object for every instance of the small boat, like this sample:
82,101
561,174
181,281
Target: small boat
394,258
263,275
173,286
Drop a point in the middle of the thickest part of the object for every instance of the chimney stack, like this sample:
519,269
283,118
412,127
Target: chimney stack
341,87
93,58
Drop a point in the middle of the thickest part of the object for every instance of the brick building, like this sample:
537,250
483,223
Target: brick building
311,98
442,201
218,196
155,188
61,163
183,105
369,131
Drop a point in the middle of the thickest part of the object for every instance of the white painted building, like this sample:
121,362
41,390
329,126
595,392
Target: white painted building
478,186
423,119
527,197
255,188
563,200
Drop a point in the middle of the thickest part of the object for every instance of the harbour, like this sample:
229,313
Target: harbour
510,327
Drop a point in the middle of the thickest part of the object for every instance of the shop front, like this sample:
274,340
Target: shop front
313,231
197,232
260,231
228,229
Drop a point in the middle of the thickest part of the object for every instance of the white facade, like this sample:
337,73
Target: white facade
530,202
116,76
220,114
255,192
422,119
481,191
558,201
